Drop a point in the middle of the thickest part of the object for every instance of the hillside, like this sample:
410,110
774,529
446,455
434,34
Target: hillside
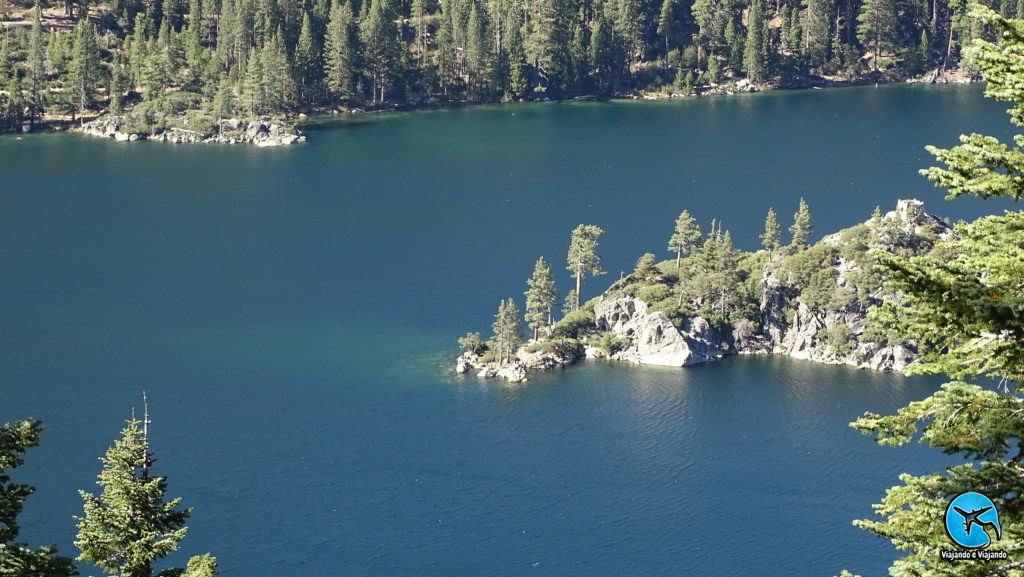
187,64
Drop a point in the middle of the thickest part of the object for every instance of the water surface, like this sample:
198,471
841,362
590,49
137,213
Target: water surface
292,315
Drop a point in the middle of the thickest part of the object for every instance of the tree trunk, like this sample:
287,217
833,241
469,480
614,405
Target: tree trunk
579,280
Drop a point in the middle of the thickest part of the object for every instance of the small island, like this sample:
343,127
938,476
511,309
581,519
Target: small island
807,301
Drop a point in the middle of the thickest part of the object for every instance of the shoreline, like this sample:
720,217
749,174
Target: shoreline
296,123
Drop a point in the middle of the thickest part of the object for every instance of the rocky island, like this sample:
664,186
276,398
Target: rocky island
805,301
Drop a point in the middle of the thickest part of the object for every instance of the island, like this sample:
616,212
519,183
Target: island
712,300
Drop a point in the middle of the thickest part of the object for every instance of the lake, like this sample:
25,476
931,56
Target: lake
292,315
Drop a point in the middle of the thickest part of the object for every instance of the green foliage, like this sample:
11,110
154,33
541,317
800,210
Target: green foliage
573,325
582,258
471,343
645,269
686,235
129,525
654,293
771,238
201,566
801,228
839,338
612,343
541,297
17,559
755,53
967,311
813,273
508,330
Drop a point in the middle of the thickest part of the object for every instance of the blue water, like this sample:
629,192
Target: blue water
292,316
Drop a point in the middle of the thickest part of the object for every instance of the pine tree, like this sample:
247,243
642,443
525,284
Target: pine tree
382,50
130,525
36,66
966,311
117,83
508,332
308,63
17,559
540,298
645,269
771,239
755,55
877,26
518,67
277,86
84,70
801,227
340,52
582,257
668,28
685,236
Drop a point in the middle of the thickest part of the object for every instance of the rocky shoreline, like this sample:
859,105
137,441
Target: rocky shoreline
262,132
788,326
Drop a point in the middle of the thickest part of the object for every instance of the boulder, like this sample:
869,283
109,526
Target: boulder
514,373
487,373
654,340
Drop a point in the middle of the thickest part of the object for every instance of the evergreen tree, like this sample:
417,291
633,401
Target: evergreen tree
382,50
582,257
17,559
340,52
541,297
130,525
518,67
686,235
876,26
508,332
668,27
308,63
84,70
117,83
276,77
771,239
966,311
801,227
735,42
36,66
645,269
755,55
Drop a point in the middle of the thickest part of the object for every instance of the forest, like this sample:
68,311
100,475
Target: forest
203,60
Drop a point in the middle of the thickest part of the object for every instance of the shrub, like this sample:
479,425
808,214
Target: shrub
653,293
839,338
573,324
471,343
612,343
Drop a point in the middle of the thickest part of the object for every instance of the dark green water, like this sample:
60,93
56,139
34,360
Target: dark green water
292,315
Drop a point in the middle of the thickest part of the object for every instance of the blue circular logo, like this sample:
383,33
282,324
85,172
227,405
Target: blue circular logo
969,517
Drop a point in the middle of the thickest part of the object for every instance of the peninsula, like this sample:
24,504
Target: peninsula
710,301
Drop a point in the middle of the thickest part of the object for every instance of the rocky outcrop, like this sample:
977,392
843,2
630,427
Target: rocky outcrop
262,132
654,340
519,370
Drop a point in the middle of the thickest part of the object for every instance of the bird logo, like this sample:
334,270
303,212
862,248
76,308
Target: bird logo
972,521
